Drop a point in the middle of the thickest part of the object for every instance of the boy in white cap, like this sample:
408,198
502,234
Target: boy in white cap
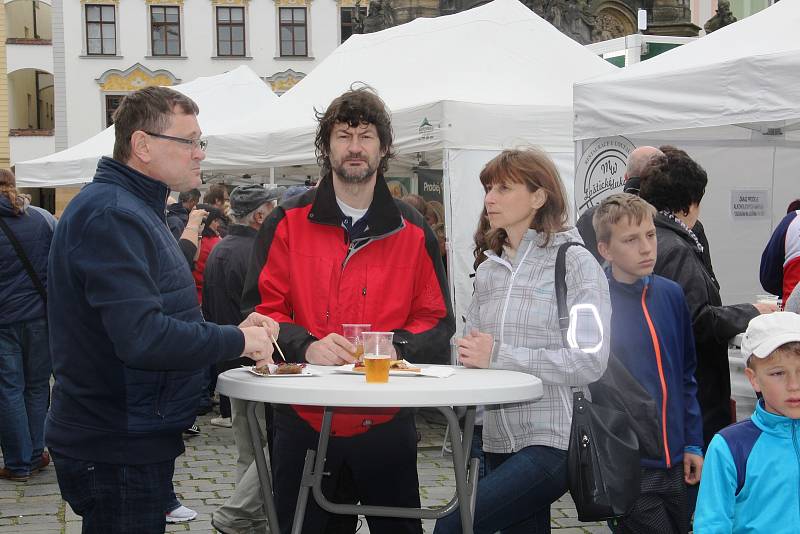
751,475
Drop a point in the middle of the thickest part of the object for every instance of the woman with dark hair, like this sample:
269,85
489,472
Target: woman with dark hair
675,185
512,323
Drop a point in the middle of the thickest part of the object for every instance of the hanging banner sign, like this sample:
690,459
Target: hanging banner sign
601,170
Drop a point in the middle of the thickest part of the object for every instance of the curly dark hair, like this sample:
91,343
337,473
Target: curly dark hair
359,105
673,181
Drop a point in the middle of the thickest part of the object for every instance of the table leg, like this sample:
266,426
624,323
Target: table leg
460,443
264,474
465,484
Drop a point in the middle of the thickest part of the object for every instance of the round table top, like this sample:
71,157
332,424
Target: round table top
465,387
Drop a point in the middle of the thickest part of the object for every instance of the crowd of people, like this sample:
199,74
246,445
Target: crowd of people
141,304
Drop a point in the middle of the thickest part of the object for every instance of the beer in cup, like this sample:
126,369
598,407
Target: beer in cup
377,355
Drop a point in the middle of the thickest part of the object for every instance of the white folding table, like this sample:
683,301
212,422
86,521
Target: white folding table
466,387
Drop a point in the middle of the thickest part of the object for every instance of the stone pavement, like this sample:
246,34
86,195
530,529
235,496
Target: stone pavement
205,476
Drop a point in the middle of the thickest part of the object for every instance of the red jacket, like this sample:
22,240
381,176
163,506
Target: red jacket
309,277
207,244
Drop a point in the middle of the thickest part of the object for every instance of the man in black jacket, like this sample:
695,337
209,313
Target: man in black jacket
225,273
178,213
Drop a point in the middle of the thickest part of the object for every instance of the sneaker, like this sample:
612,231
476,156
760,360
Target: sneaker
193,430
181,514
224,422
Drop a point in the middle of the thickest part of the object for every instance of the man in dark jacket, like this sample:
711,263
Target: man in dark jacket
178,213
347,252
126,332
24,349
225,273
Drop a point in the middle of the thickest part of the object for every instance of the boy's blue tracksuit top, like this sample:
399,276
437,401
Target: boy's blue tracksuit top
651,334
127,338
769,498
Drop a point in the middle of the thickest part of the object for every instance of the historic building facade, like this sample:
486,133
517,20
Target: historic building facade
104,49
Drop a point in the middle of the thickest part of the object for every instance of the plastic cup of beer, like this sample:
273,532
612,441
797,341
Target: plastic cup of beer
377,355
354,334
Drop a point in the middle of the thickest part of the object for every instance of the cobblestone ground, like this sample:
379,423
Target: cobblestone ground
205,476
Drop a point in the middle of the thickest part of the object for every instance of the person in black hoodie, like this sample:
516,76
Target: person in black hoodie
127,337
675,185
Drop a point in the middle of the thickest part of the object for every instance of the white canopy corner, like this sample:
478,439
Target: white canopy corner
731,99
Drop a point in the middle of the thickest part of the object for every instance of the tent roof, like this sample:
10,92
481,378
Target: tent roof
747,72
477,73
245,95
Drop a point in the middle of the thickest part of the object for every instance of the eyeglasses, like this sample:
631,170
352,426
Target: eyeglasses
196,143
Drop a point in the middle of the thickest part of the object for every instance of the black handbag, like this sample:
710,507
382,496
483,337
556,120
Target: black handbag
603,459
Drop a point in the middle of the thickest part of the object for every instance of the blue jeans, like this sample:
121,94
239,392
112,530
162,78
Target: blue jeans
25,369
516,492
116,499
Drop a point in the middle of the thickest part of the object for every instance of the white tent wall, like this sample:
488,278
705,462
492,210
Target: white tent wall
759,163
463,194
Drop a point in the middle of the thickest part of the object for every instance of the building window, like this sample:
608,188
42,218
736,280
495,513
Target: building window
101,30
348,18
112,103
230,31
293,31
165,30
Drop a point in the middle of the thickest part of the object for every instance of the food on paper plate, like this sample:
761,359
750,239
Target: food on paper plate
282,368
397,365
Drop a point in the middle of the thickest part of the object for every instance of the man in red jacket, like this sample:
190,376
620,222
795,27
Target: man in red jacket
347,252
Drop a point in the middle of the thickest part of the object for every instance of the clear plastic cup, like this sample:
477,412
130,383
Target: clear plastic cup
354,334
377,355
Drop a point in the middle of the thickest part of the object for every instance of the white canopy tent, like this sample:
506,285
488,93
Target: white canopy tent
732,100
245,95
464,85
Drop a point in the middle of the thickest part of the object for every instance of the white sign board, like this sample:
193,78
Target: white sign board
750,204
600,170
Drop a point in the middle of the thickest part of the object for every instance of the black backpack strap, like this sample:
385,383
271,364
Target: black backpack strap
561,289
26,263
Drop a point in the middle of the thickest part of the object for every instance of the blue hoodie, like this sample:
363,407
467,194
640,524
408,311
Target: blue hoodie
648,313
128,340
769,500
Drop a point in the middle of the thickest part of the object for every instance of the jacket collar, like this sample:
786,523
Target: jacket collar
771,423
667,223
383,214
152,192
242,230
635,288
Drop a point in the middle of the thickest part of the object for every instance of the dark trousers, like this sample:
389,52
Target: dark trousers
661,506
116,499
378,467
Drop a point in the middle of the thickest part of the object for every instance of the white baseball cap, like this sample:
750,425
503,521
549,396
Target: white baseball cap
769,331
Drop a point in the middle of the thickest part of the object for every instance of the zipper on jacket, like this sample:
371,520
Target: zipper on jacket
514,272
663,381
796,452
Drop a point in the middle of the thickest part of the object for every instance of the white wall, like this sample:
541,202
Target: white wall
84,98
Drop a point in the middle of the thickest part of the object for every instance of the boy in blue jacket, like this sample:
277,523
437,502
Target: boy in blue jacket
651,334
752,478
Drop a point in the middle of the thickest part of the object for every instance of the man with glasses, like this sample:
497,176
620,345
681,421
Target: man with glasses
127,336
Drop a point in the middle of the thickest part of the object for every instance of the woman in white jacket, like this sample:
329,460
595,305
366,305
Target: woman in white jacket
512,324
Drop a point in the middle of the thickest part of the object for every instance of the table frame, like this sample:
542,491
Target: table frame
466,474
